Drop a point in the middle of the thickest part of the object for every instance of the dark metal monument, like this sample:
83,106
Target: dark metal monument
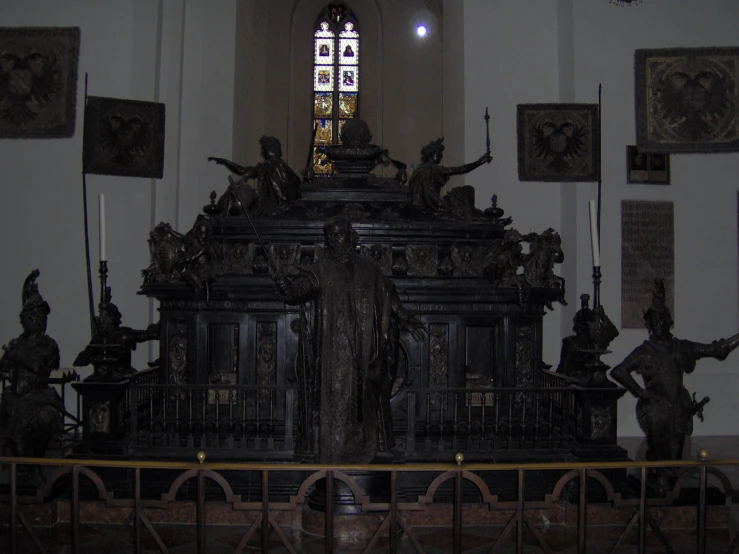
419,322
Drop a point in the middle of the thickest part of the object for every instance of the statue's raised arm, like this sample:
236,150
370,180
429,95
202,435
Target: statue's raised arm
426,182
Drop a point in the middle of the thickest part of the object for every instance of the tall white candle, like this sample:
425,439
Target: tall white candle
101,210
594,235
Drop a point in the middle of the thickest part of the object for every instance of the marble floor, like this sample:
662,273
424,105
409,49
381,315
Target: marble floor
181,539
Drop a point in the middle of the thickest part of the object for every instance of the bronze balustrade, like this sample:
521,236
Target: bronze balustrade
396,513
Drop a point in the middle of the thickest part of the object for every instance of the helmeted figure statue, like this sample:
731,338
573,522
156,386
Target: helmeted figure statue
430,177
277,185
30,410
109,350
349,338
574,354
665,410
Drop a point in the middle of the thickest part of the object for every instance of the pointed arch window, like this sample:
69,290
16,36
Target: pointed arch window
335,78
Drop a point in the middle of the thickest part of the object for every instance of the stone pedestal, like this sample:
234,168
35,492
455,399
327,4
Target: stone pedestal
596,419
104,416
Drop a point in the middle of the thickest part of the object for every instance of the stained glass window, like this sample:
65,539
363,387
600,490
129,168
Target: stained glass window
335,77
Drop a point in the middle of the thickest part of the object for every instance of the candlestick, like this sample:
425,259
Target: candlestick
101,210
594,235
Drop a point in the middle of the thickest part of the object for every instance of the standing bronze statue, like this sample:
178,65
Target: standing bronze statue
277,185
348,349
30,410
430,177
665,410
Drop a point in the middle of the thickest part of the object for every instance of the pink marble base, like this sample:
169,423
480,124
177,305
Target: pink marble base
353,527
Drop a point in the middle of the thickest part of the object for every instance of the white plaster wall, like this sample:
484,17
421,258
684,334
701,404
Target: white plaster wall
176,52
541,51
511,58
703,189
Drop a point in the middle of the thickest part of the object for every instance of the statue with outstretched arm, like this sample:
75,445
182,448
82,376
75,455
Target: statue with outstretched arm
277,186
665,409
430,177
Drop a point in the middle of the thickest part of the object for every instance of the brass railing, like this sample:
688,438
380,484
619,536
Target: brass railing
397,513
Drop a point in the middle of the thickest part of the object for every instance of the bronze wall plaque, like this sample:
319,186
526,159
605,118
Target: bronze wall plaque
647,252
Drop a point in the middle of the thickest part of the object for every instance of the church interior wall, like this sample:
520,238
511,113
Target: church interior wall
401,76
223,92
519,44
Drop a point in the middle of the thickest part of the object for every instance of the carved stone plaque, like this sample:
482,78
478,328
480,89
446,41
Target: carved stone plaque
647,252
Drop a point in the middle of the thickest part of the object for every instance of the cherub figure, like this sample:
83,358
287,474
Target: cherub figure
203,257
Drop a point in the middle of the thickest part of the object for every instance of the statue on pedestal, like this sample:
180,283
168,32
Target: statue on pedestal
430,177
30,410
348,349
277,185
109,350
665,409
580,355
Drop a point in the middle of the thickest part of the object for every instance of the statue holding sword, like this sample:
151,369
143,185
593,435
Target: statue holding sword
665,409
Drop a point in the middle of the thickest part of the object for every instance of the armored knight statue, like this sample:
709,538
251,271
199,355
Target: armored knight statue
665,410
277,185
109,350
30,410
430,177
574,355
348,350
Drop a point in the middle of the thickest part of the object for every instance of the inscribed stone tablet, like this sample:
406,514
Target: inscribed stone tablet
647,252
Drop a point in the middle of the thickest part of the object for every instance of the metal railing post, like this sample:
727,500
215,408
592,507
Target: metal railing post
702,512
329,521
201,513
75,515
137,511
643,511
519,513
582,512
13,510
265,510
393,512
457,548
